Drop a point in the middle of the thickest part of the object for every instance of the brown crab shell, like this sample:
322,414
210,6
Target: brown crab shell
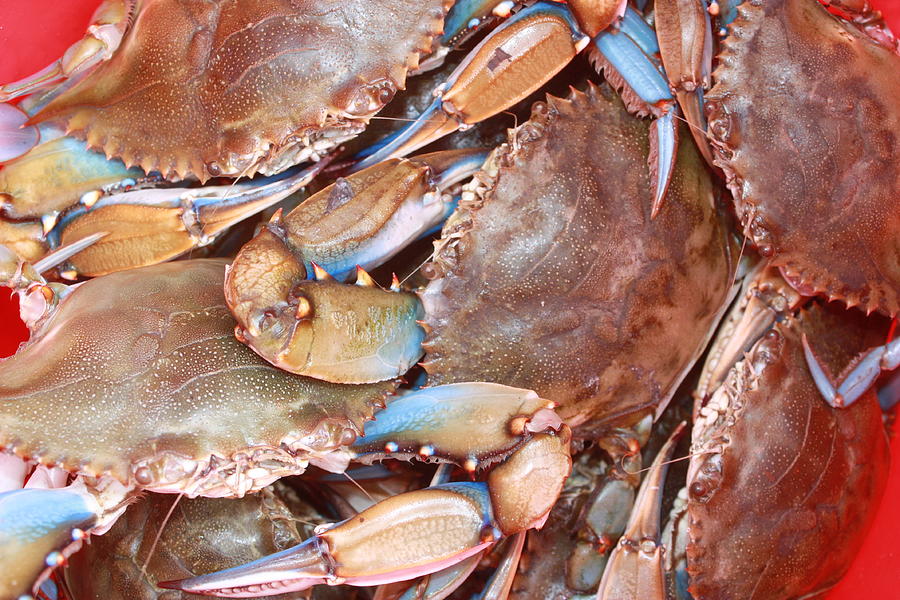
806,125
138,376
553,277
783,487
230,88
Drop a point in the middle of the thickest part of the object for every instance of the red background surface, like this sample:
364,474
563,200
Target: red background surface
35,32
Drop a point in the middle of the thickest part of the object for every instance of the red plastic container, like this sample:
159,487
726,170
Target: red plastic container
35,32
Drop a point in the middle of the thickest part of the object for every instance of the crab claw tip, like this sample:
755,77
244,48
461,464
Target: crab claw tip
290,570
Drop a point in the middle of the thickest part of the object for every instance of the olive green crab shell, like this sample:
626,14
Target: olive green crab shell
138,376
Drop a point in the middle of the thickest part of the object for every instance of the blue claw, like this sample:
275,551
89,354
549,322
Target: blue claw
466,16
628,52
635,67
405,141
464,423
889,393
663,153
857,381
641,34
334,553
388,222
37,530
207,210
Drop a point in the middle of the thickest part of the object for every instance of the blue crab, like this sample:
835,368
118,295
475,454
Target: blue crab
352,333
177,405
272,104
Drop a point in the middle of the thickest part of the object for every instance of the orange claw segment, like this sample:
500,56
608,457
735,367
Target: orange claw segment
342,333
526,485
635,568
596,15
509,64
261,275
507,67
423,527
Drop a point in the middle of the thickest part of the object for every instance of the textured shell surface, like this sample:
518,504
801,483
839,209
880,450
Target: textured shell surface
231,87
805,118
141,366
553,277
779,475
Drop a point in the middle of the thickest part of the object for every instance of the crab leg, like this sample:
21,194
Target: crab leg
516,59
767,298
850,387
57,173
107,27
869,20
685,41
154,225
526,51
427,530
636,566
37,297
889,393
501,580
40,528
16,138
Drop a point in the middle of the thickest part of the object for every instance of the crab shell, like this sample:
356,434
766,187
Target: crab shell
232,88
782,487
138,376
552,276
806,125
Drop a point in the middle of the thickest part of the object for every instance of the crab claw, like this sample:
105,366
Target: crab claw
685,47
624,54
16,138
635,568
154,225
353,552
431,529
59,172
516,59
39,528
324,329
866,370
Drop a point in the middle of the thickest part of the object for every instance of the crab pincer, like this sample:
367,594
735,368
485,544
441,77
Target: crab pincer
430,529
636,567
322,328
135,383
526,51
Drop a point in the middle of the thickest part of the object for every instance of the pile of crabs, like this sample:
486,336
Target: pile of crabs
686,251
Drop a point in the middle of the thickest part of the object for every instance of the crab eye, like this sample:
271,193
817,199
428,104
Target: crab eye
707,480
699,489
385,95
370,98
